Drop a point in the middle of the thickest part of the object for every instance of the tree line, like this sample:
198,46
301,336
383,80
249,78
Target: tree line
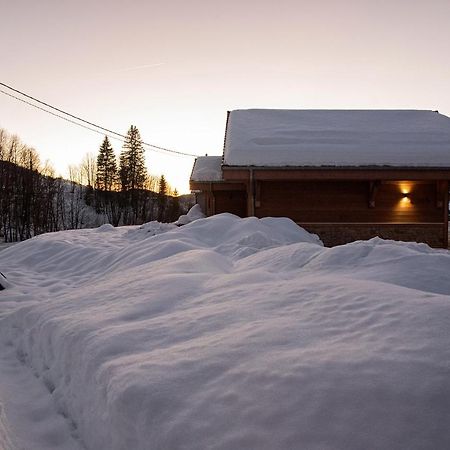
125,191
100,190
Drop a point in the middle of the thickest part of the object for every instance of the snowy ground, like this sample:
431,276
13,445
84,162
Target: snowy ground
225,333
5,245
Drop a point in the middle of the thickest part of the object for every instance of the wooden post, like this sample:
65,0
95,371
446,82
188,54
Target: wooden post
210,202
213,201
445,209
250,195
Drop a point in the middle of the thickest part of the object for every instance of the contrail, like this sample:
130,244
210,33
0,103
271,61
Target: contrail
145,66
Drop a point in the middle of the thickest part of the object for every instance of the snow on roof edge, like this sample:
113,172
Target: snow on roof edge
337,138
207,168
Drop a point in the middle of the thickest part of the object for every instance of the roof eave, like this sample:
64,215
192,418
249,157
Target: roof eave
231,173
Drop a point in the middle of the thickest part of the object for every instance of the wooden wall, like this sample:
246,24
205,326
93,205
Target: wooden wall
234,202
349,201
343,211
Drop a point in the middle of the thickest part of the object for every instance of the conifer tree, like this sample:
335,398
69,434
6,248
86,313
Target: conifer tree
162,198
106,167
162,186
132,171
174,211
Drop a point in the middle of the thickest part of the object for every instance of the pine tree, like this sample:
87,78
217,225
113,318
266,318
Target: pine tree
133,172
106,167
174,211
162,186
162,198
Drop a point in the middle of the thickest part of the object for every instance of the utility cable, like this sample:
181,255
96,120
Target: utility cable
110,133
56,115
68,120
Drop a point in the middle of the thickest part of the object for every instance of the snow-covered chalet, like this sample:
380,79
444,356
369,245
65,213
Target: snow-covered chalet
343,174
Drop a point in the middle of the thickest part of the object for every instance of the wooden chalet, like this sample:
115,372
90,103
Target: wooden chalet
344,174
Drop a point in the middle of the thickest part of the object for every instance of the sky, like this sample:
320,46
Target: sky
174,68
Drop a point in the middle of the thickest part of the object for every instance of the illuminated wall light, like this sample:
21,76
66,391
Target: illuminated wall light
405,188
405,201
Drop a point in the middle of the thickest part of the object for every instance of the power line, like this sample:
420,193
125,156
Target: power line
109,133
60,110
54,114
68,120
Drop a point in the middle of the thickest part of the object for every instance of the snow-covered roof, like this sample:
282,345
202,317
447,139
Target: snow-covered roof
397,138
207,168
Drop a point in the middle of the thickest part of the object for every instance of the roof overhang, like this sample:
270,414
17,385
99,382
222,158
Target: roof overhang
243,174
216,185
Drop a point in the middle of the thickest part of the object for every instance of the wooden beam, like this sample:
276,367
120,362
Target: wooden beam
235,174
445,211
216,186
213,203
250,195
281,173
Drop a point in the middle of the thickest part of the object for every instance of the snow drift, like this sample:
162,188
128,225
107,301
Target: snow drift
233,333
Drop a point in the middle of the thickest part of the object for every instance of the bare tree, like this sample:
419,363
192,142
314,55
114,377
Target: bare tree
75,207
88,168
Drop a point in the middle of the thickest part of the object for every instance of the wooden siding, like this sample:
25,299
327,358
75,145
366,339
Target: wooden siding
349,201
340,210
234,202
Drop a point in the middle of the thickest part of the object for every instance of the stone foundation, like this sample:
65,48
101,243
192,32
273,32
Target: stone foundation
338,234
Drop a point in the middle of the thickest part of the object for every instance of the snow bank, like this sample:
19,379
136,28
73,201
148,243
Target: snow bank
105,228
156,227
193,214
235,333
6,438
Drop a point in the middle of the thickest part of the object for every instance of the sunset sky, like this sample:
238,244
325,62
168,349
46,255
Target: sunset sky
173,68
